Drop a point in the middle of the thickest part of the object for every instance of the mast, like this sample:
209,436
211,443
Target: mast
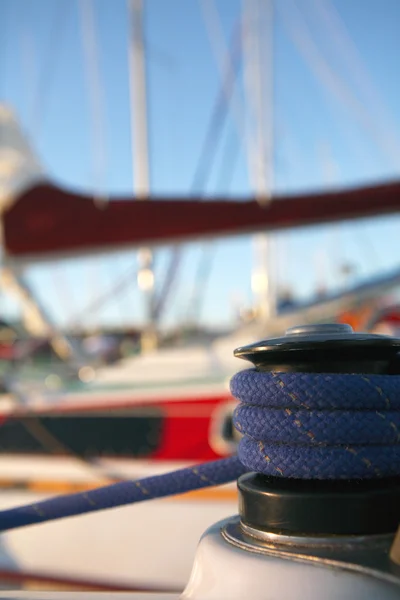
140,156
138,96
258,63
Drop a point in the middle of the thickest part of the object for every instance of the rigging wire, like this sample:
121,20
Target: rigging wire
46,75
299,32
159,56
204,268
345,47
98,303
127,299
5,44
226,63
96,98
94,279
28,62
41,85
112,272
229,67
200,283
63,290
123,282
229,73
228,165
30,77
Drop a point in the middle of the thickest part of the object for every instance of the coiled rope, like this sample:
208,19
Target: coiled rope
318,426
307,426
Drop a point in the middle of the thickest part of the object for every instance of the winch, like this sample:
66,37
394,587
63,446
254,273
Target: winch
341,507
309,536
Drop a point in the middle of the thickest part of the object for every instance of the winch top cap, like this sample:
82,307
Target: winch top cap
318,346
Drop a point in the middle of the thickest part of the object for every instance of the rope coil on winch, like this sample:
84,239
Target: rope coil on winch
318,426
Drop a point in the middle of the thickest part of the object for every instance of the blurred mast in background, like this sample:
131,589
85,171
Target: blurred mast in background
258,43
140,158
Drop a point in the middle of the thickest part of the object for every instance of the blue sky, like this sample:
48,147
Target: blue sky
345,134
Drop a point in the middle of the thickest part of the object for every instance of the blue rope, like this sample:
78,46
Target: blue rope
318,426
126,492
307,426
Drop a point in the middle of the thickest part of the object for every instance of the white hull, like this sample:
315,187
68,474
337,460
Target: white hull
124,546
